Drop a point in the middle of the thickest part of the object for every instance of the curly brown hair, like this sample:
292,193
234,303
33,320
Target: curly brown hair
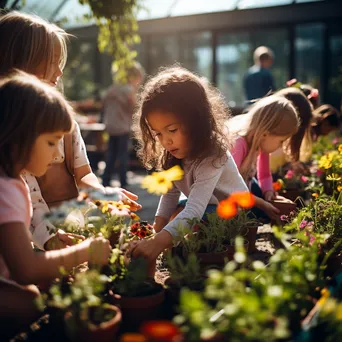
197,104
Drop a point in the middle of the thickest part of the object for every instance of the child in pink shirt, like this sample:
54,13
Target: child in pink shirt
270,122
33,119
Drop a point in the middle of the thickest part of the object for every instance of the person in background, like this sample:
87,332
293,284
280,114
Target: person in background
309,91
259,80
118,106
326,119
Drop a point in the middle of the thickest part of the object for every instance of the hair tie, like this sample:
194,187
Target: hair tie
314,94
292,83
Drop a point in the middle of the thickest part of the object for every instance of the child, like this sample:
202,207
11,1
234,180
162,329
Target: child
33,118
268,124
326,119
299,147
31,44
180,120
311,93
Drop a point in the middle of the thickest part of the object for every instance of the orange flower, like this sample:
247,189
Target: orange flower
161,331
226,209
315,195
132,337
276,186
243,199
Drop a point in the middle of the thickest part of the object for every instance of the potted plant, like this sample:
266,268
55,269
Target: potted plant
206,241
87,317
255,303
139,296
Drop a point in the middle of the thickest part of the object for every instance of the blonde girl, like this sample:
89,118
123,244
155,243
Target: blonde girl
33,119
180,121
264,129
31,44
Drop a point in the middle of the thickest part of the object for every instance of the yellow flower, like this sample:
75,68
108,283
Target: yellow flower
333,177
315,195
161,182
340,148
325,162
339,188
339,308
324,295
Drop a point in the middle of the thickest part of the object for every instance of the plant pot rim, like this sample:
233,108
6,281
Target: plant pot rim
116,319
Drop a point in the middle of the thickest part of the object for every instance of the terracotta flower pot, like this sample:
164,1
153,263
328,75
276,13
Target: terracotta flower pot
136,310
292,194
90,332
251,238
284,205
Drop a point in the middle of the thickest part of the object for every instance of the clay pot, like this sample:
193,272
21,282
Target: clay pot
90,332
284,205
231,249
292,194
136,310
251,238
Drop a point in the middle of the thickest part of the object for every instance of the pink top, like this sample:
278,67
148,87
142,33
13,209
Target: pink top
239,153
15,206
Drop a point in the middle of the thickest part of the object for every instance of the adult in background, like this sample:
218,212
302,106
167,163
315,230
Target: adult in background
118,105
259,80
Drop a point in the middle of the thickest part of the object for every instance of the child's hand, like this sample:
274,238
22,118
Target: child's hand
271,211
151,248
125,196
99,251
62,240
270,195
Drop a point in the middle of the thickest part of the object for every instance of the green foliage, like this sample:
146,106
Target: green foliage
262,303
129,278
185,273
81,296
118,32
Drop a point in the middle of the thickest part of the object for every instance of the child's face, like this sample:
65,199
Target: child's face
45,150
271,143
167,128
51,72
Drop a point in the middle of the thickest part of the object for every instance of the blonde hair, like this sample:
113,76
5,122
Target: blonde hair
28,108
26,41
274,115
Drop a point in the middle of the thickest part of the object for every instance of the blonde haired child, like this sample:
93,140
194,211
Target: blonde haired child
31,44
267,125
33,118
180,121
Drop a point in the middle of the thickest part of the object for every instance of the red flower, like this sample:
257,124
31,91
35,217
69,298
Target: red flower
160,331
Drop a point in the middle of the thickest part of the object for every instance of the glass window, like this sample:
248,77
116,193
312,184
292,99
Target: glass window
196,53
235,57
309,49
163,50
78,79
335,71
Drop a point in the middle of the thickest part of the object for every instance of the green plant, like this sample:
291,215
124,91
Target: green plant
129,278
81,296
262,303
118,31
185,273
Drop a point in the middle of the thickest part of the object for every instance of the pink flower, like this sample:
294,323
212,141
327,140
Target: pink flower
303,224
283,218
312,239
335,141
289,174
304,179
319,173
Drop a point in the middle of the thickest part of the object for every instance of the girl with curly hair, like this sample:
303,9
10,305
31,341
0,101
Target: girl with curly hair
180,121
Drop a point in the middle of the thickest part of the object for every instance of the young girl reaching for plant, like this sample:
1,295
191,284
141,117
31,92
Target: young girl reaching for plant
33,45
264,129
180,121
33,119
